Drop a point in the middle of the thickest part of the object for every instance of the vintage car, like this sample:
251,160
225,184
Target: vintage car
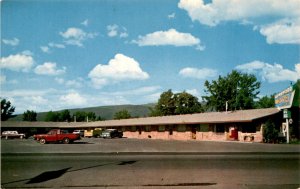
57,135
80,132
12,134
111,133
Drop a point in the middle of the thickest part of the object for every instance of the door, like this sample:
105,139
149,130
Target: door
193,132
234,134
52,136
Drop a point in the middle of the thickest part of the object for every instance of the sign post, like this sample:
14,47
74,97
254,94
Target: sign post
284,100
287,115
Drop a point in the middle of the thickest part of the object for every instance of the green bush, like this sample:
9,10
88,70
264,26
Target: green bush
270,133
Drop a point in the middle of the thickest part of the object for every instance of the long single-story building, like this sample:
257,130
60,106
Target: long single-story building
241,125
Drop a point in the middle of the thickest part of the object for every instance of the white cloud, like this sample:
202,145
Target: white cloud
45,49
230,10
271,73
49,68
75,83
73,99
27,52
254,11
114,31
85,22
138,91
198,73
57,45
120,68
2,79
171,16
11,42
282,32
17,62
76,36
59,80
170,37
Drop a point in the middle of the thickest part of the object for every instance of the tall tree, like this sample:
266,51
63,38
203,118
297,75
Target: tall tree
186,103
65,116
123,114
91,116
165,104
29,115
239,90
80,116
6,110
265,102
52,116
173,104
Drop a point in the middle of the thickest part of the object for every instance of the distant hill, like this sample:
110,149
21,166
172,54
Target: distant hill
106,112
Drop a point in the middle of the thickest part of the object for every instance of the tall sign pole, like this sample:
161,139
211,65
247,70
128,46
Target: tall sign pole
287,116
284,101
287,131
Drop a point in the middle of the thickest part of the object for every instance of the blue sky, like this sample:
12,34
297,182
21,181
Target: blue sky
67,54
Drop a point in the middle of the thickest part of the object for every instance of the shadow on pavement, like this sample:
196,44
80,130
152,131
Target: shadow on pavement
50,175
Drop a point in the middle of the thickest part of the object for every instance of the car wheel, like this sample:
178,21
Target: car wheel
42,141
66,140
21,137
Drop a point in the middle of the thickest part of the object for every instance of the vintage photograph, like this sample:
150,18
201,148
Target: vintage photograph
150,94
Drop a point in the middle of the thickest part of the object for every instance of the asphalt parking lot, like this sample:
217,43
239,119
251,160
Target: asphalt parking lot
126,145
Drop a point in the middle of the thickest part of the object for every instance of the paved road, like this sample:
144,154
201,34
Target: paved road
133,163
150,171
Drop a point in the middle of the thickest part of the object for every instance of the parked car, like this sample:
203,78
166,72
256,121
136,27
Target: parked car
111,133
12,134
97,133
57,135
80,132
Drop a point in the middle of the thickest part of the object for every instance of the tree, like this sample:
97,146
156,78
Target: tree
165,105
186,103
265,102
6,110
174,104
91,116
270,133
123,114
80,116
29,115
52,116
65,116
237,89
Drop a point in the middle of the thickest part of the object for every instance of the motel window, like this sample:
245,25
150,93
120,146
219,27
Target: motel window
181,128
220,128
161,128
204,128
148,128
248,128
133,128
170,130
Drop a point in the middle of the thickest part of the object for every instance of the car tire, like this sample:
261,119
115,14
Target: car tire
66,140
42,141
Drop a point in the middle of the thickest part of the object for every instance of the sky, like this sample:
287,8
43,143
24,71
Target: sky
63,54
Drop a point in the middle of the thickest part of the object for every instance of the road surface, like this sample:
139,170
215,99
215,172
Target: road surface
96,170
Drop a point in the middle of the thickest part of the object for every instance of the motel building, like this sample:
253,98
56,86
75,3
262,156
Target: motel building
240,125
